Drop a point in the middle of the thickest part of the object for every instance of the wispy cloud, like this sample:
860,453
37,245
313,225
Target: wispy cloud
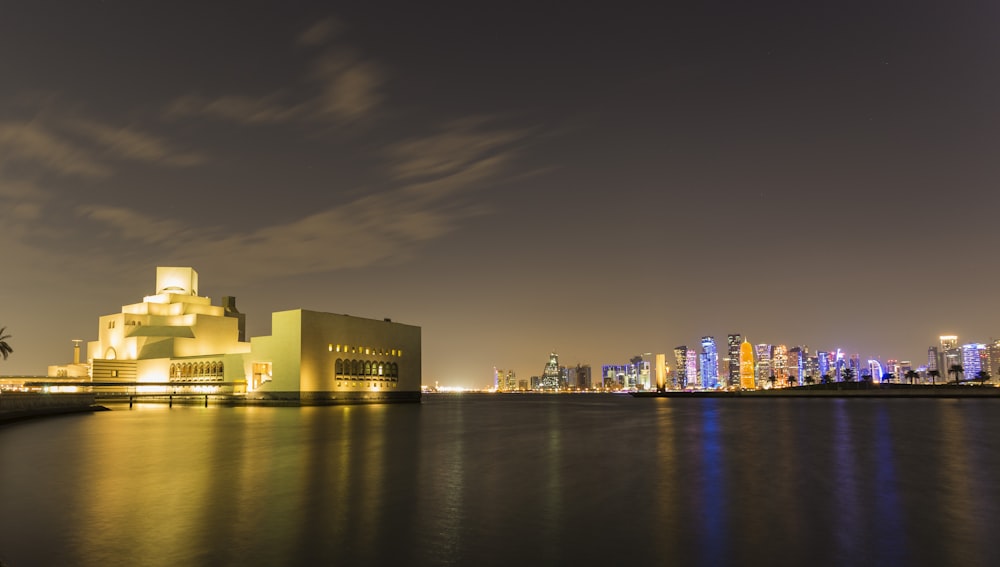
320,32
340,85
457,146
133,225
375,228
32,142
84,147
132,144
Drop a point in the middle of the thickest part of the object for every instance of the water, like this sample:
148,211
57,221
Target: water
512,480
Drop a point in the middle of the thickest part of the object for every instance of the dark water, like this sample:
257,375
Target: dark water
487,480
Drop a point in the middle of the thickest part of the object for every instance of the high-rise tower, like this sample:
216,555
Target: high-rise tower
746,366
709,363
734,349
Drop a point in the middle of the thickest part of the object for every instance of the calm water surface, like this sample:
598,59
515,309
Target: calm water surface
508,480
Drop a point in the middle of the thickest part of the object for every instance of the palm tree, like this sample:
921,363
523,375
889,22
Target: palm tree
847,375
933,375
911,375
790,380
956,369
888,377
982,377
771,380
824,379
5,349
809,379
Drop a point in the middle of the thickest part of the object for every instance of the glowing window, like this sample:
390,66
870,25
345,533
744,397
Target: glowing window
330,347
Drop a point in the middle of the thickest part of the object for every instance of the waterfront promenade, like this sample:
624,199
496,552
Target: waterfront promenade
23,405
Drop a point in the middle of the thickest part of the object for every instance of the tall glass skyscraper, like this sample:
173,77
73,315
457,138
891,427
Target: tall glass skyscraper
763,364
709,363
734,341
680,367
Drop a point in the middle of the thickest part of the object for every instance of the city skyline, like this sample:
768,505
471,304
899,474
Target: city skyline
607,180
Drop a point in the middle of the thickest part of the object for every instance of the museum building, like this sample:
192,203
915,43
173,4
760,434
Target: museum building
176,341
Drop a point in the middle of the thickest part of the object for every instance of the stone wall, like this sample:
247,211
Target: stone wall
18,405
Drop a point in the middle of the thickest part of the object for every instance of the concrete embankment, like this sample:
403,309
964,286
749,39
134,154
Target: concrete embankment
21,405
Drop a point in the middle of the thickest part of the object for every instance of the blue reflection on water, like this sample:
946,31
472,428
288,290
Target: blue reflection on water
712,534
888,520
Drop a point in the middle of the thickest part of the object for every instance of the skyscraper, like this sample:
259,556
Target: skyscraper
779,362
660,372
733,341
763,364
680,367
709,363
551,376
746,366
692,368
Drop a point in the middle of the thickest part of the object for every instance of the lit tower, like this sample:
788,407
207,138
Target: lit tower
709,363
746,366
735,351
551,375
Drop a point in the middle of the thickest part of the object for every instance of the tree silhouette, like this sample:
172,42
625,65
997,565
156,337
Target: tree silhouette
888,377
933,375
847,375
911,375
772,379
824,379
790,380
982,377
809,379
957,370
5,349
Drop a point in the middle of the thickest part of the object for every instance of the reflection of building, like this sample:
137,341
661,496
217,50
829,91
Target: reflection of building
177,341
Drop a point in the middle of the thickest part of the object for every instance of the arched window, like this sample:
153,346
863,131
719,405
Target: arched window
355,368
338,367
381,369
222,368
394,372
111,353
368,369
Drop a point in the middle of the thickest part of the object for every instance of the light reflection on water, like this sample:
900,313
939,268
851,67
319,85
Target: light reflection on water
490,480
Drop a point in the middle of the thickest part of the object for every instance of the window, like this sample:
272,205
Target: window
114,373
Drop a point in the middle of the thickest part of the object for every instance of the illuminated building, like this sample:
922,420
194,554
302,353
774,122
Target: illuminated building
551,376
504,381
779,361
746,366
794,364
660,372
932,359
692,369
733,342
709,363
680,366
764,370
973,357
177,341
614,376
823,364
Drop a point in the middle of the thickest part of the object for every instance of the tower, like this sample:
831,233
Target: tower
746,366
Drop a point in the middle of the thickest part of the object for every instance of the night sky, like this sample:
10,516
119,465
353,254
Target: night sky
603,180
